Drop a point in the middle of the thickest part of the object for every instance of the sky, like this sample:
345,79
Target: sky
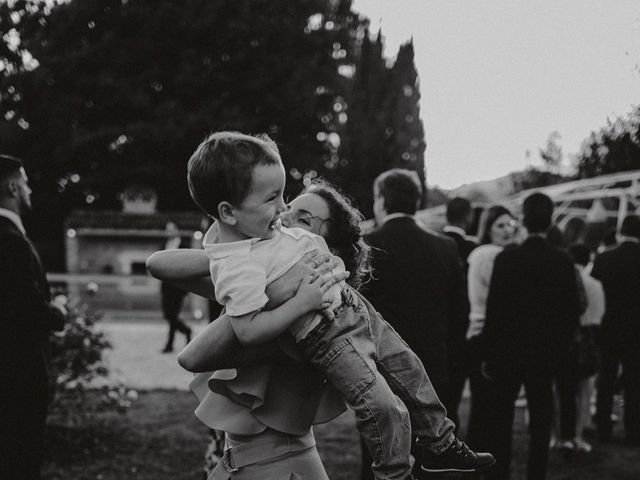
497,77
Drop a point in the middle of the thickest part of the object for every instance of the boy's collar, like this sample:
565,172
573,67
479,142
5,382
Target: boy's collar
212,246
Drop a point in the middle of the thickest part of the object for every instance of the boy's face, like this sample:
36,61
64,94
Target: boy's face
257,214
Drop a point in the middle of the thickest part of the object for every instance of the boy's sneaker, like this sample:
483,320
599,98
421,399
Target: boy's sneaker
457,458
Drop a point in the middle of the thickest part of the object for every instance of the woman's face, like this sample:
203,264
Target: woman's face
503,230
308,211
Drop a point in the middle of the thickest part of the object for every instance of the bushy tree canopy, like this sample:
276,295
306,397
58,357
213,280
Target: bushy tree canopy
614,148
101,94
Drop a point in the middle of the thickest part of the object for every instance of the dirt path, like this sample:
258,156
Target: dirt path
136,359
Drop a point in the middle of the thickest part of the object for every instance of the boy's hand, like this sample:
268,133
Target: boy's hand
312,289
314,262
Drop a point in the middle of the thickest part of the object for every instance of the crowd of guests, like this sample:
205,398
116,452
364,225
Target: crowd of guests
548,312
541,307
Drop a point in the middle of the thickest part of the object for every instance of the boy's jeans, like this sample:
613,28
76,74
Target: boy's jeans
367,361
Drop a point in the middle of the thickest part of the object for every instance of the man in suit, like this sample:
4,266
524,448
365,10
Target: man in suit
26,319
533,310
459,218
619,271
417,282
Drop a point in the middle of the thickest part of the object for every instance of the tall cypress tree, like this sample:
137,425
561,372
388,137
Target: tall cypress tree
385,130
367,128
405,145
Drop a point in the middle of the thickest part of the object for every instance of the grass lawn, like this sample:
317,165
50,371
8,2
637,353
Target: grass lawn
159,438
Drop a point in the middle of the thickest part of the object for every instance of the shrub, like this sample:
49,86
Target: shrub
79,372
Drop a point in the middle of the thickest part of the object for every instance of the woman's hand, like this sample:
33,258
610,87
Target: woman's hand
319,262
315,262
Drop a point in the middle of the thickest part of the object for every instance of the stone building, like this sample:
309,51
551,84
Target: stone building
106,253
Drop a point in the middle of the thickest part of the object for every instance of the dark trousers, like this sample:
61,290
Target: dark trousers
22,428
566,383
479,427
607,377
504,390
172,298
457,380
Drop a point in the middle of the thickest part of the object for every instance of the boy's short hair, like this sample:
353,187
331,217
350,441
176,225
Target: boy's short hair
222,167
537,211
401,190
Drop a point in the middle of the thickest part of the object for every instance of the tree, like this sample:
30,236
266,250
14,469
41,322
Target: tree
406,139
552,153
120,92
614,148
384,129
77,364
364,154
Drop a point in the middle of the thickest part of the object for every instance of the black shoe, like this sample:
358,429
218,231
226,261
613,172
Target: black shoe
457,458
167,349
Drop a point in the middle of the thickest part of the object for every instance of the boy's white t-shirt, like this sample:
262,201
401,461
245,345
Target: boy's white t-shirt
241,270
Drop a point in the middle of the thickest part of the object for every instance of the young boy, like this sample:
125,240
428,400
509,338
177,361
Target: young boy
239,180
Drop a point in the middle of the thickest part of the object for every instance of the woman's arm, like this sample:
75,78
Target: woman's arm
189,269
217,346
262,326
184,268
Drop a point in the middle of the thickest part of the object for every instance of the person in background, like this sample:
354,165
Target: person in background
566,380
27,316
532,313
589,324
172,297
459,219
418,283
619,271
574,231
497,231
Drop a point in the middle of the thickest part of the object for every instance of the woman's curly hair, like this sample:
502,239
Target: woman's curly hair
344,236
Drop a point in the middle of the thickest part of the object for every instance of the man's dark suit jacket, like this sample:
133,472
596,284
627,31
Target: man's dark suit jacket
619,271
25,322
532,309
465,245
418,287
